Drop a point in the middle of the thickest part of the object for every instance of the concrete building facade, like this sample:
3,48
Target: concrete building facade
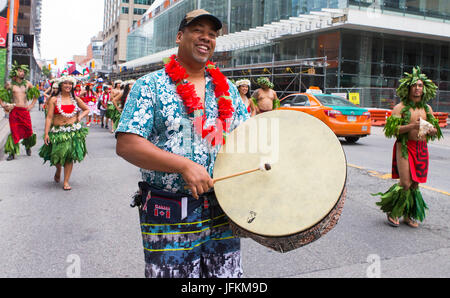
27,41
119,15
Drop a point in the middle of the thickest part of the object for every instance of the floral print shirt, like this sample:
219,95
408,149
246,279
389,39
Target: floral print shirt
155,111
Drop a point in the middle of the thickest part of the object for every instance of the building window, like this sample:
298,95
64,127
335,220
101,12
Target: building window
125,1
125,10
25,2
139,11
144,2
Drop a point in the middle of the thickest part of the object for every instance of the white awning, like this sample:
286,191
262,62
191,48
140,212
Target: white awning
267,33
151,59
258,36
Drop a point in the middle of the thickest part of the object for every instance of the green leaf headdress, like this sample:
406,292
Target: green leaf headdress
15,67
263,81
429,88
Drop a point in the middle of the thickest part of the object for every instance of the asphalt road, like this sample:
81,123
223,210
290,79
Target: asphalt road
44,229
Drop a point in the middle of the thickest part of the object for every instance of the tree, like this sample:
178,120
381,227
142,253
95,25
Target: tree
46,72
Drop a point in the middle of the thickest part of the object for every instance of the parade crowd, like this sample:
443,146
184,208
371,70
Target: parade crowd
147,115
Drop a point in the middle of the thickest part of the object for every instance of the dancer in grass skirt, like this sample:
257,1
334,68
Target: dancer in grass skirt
64,139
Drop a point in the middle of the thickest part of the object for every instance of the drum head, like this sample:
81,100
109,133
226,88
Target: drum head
307,176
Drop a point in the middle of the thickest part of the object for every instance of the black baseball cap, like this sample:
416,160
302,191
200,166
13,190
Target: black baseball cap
198,14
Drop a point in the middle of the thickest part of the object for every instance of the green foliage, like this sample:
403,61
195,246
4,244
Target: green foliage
16,67
435,123
399,202
429,88
6,95
30,142
391,129
10,147
65,147
46,72
263,81
392,126
33,93
276,104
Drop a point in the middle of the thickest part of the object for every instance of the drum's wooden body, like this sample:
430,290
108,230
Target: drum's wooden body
300,198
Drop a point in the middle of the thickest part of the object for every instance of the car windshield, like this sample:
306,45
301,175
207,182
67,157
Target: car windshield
328,100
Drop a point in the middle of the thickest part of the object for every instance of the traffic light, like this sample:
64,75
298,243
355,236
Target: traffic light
55,62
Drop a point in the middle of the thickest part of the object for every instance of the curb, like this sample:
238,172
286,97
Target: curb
4,132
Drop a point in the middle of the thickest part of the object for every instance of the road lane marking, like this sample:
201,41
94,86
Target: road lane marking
358,167
389,176
434,189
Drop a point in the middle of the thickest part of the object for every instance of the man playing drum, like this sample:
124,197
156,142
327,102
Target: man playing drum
172,127
410,154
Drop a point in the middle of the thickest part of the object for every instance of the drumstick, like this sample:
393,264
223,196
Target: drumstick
264,168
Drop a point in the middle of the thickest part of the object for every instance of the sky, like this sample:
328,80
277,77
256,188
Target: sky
68,26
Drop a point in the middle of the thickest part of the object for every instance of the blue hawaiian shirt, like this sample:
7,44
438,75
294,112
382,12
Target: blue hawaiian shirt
155,111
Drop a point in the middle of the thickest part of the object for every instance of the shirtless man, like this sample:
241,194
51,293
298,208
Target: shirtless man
16,94
266,97
117,88
410,154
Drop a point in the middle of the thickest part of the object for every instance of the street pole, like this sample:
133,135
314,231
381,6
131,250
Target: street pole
10,36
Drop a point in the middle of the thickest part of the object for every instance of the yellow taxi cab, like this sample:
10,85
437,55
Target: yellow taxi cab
344,118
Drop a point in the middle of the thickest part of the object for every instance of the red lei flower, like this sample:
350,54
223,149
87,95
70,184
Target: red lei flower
193,103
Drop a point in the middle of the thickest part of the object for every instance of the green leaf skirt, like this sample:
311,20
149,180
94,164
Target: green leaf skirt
14,149
65,146
399,202
111,112
10,147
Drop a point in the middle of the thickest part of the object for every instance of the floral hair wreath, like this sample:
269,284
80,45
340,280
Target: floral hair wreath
67,79
243,82
429,88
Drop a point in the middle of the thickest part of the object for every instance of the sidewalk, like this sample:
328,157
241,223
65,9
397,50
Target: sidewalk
4,132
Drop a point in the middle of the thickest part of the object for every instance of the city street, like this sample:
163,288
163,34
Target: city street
43,228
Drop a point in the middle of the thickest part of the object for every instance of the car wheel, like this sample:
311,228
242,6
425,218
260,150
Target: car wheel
351,140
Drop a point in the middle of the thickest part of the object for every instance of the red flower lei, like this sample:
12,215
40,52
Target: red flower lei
193,103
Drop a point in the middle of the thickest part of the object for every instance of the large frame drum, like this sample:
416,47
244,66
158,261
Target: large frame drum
301,198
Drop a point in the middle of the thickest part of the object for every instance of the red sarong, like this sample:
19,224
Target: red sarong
418,161
20,124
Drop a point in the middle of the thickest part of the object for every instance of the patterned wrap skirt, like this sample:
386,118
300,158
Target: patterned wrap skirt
202,245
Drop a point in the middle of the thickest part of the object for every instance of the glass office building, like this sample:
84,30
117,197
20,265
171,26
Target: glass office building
362,45
158,34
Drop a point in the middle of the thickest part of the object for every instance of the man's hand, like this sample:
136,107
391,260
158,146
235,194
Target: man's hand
197,178
432,132
8,107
